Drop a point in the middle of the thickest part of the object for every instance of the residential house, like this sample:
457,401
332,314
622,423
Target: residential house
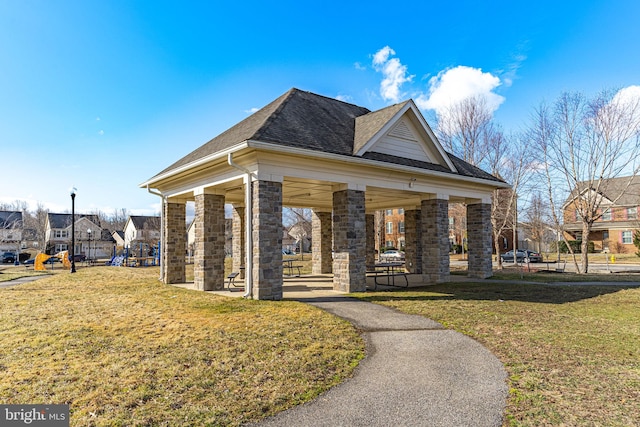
613,231
91,240
142,234
11,230
394,228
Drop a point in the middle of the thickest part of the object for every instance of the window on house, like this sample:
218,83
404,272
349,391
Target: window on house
61,234
389,211
578,235
606,215
61,247
389,244
578,217
632,213
401,211
605,235
627,238
401,226
389,227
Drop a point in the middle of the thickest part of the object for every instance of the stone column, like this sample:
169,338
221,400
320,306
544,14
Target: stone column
322,242
370,220
174,242
479,240
238,241
349,241
435,240
267,240
413,241
208,268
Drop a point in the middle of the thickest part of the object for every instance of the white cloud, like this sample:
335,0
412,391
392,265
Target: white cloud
251,110
629,95
359,66
456,84
394,74
627,102
344,98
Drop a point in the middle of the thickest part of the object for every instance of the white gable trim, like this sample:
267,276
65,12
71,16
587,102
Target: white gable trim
388,141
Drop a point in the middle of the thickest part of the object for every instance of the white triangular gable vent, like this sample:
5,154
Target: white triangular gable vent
402,141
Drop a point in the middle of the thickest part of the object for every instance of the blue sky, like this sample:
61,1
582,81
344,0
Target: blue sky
102,95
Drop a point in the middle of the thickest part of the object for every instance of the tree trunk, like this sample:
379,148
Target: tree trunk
584,247
496,244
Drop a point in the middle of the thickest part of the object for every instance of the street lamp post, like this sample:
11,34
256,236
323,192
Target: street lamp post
72,191
89,251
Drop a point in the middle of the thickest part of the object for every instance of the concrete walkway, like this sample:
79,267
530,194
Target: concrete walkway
20,281
416,373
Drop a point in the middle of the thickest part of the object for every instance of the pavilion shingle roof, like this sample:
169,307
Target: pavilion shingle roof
300,119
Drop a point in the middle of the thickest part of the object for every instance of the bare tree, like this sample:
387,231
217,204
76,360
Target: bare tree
508,159
537,215
299,226
584,144
466,129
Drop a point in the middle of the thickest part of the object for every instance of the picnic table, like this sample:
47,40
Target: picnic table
287,264
388,270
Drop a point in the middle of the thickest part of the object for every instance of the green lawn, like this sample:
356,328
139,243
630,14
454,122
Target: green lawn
572,352
123,349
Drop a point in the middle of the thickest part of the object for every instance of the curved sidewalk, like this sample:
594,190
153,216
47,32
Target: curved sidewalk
416,373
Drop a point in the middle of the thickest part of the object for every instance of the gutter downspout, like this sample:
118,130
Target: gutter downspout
157,193
248,211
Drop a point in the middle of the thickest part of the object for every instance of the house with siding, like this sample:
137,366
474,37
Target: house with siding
91,240
617,219
141,234
11,231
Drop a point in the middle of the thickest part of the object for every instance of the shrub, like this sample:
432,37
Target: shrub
576,246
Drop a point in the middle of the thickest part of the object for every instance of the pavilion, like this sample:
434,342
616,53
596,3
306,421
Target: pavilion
344,162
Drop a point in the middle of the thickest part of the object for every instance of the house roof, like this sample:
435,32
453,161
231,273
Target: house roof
141,222
57,220
612,189
300,119
10,219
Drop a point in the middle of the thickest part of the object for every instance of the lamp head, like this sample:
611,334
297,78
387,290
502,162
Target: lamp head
73,191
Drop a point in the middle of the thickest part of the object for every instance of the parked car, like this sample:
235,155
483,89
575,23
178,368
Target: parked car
51,260
522,256
8,257
508,256
392,255
534,256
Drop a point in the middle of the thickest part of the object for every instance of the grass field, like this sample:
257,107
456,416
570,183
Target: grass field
572,352
123,349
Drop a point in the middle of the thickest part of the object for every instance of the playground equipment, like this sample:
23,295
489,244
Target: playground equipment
38,264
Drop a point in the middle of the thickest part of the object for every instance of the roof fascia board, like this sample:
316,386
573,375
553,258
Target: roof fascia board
265,146
199,162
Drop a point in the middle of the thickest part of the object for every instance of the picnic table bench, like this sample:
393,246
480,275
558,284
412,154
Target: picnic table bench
388,270
288,265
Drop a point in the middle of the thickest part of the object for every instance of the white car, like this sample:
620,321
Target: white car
392,255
